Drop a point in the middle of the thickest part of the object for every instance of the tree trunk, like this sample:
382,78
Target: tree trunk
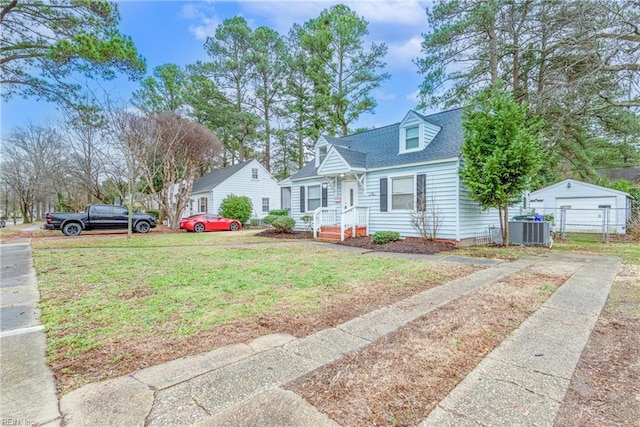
504,223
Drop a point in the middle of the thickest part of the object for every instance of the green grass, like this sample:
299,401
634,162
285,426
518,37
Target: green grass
99,292
627,250
100,289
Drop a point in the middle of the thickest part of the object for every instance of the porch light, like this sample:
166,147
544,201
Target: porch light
341,175
325,184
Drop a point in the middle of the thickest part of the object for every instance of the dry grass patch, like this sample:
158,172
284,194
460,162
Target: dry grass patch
605,387
400,378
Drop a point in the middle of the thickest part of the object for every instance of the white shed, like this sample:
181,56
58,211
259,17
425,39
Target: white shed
587,207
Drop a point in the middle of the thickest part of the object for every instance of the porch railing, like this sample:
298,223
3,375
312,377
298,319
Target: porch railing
355,216
323,216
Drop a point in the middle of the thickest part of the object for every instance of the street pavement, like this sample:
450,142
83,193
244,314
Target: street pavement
27,389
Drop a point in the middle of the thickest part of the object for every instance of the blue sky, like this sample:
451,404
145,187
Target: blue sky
175,31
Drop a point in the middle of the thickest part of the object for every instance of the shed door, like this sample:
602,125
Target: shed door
585,213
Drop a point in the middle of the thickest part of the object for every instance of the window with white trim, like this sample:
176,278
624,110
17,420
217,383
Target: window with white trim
254,173
265,204
314,197
412,138
202,204
402,192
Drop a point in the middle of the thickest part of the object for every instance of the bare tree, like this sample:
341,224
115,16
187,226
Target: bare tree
171,156
31,159
426,218
85,153
127,132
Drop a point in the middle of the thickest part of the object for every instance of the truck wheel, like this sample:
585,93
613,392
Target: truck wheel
142,227
71,229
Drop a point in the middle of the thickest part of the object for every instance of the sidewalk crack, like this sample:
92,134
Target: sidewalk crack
461,415
198,404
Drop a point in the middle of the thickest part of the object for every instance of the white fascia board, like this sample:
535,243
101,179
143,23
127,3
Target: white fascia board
407,165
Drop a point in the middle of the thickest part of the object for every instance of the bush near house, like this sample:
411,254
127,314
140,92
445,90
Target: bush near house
275,214
236,207
382,237
283,224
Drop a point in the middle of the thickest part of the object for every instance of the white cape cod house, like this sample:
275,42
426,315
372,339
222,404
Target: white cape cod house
248,178
366,182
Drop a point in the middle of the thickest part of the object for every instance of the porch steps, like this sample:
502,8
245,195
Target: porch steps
332,233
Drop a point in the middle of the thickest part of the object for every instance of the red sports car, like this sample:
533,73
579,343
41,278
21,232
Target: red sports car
209,222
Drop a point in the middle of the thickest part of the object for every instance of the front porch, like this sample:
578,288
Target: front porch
329,224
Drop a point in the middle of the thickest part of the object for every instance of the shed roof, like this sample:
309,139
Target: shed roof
573,182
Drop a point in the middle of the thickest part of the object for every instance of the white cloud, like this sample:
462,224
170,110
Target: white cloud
400,55
283,14
402,12
205,14
381,95
206,28
413,96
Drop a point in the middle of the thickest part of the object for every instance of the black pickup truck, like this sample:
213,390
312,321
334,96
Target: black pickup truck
99,217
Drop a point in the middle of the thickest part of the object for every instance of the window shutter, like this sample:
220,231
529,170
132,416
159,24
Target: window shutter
383,195
302,199
324,197
421,192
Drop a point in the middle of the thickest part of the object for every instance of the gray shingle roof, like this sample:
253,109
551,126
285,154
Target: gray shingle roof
379,148
356,159
214,178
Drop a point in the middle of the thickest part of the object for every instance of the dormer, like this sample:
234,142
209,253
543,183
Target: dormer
415,133
321,148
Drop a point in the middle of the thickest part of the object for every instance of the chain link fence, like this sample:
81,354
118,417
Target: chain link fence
604,220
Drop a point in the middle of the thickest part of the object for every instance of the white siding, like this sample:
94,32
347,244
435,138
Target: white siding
461,217
333,164
430,132
441,181
332,193
242,184
193,207
411,120
474,220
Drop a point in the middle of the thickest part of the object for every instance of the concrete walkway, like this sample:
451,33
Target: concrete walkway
27,390
522,382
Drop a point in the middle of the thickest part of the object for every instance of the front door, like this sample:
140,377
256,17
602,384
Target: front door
349,194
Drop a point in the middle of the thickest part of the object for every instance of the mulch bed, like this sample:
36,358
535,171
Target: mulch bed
406,246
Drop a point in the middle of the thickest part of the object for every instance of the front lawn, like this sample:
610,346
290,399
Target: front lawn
590,244
112,305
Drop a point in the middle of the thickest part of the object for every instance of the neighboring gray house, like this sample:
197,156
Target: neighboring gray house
248,178
371,179
584,206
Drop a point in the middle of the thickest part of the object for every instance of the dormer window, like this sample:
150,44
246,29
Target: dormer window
415,133
412,138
